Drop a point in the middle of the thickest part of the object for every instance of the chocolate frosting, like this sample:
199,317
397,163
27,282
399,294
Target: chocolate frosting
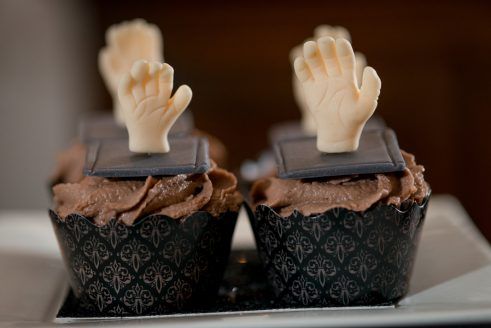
70,164
127,200
356,193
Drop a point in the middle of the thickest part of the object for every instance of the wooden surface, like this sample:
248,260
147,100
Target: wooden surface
432,57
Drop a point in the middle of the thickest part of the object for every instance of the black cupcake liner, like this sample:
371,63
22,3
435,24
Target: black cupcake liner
340,257
156,266
243,288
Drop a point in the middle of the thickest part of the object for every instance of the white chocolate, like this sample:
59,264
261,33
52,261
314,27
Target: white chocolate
127,42
148,108
336,32
327,74
339,32
308,123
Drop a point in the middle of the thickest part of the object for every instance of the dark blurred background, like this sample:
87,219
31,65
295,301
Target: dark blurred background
433,58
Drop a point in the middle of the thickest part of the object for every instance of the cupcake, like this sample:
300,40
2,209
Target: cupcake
340,223
157,246
148,229
308,123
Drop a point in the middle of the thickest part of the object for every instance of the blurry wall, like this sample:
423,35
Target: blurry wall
43,89
432,57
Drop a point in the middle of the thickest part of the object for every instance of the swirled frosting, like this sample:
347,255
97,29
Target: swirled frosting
356,193
178,196
70,164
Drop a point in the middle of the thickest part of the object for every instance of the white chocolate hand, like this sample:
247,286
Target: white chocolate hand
341,109
308,122
336,32
149,110
309,125
339,32
126,43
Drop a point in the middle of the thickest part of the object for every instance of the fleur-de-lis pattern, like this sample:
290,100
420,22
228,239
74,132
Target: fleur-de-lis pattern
317,226
155,229
138,299
284,265
82,269
69,243
159,265
344,290
195,267
300,245
270,242
304,291
279,225
357,223
176,250
100,295
339,244
158,275
114,232
78,229
322,268
117,275
135,253
380,236
95,250
362,264
179,293
341,257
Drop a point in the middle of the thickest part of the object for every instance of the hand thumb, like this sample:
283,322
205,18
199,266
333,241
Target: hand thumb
370,90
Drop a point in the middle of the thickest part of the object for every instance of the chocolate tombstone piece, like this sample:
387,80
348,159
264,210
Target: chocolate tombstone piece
111,158
105,127
293,129
378,153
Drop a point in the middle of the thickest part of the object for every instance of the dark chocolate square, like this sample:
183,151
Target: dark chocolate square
112,158
294,130
105,127
378,153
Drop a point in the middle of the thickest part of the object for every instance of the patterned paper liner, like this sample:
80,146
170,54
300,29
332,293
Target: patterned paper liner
155,266
340,257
